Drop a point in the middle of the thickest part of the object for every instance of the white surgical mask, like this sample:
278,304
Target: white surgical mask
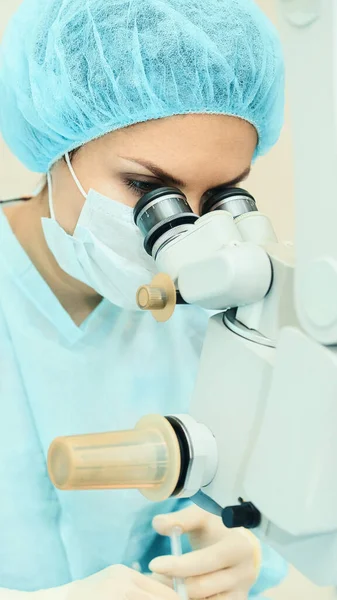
106,250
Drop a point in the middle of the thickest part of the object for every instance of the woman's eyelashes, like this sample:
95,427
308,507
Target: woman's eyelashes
139,188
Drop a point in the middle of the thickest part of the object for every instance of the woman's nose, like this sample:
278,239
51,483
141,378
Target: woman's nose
194,202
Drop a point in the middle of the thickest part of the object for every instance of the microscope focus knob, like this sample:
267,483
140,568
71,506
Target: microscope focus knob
243,515
160,297
151,298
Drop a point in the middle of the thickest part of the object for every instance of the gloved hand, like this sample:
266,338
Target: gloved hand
114,583
119,583
225,563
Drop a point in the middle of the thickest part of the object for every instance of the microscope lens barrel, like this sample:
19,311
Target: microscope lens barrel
161,211
236,201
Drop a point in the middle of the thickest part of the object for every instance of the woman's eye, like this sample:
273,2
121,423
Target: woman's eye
141,187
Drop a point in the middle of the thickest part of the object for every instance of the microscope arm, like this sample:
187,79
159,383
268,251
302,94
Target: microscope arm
309,30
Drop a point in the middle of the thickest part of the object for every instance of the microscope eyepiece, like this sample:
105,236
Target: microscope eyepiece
162,211
234,200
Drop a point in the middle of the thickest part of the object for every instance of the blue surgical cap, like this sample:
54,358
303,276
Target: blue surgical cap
74,70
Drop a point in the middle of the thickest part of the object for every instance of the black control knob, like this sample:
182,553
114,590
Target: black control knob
243,515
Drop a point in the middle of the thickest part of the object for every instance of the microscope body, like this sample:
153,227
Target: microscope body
266,391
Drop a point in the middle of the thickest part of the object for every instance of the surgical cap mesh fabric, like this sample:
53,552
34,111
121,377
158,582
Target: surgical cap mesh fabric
73,70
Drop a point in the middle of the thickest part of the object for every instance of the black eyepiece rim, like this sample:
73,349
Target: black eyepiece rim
155,233
210,198
153,195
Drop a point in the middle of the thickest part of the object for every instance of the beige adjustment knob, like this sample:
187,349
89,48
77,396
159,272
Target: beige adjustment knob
159,297
150,298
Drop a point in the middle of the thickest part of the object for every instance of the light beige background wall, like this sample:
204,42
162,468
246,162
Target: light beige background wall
272,184
14,179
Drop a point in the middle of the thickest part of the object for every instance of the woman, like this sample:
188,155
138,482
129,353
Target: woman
111,99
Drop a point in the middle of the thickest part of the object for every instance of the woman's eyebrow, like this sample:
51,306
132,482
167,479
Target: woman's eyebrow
161,174
157,171
239,178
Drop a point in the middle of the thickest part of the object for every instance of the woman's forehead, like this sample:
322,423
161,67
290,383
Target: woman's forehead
188,147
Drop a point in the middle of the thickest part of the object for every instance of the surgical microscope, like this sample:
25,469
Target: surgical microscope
259,445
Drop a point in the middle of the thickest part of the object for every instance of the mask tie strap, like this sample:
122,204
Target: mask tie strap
50,197
50,188
74,176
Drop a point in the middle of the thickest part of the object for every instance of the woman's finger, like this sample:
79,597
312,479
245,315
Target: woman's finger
153,587
213,558
189,519
220,582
